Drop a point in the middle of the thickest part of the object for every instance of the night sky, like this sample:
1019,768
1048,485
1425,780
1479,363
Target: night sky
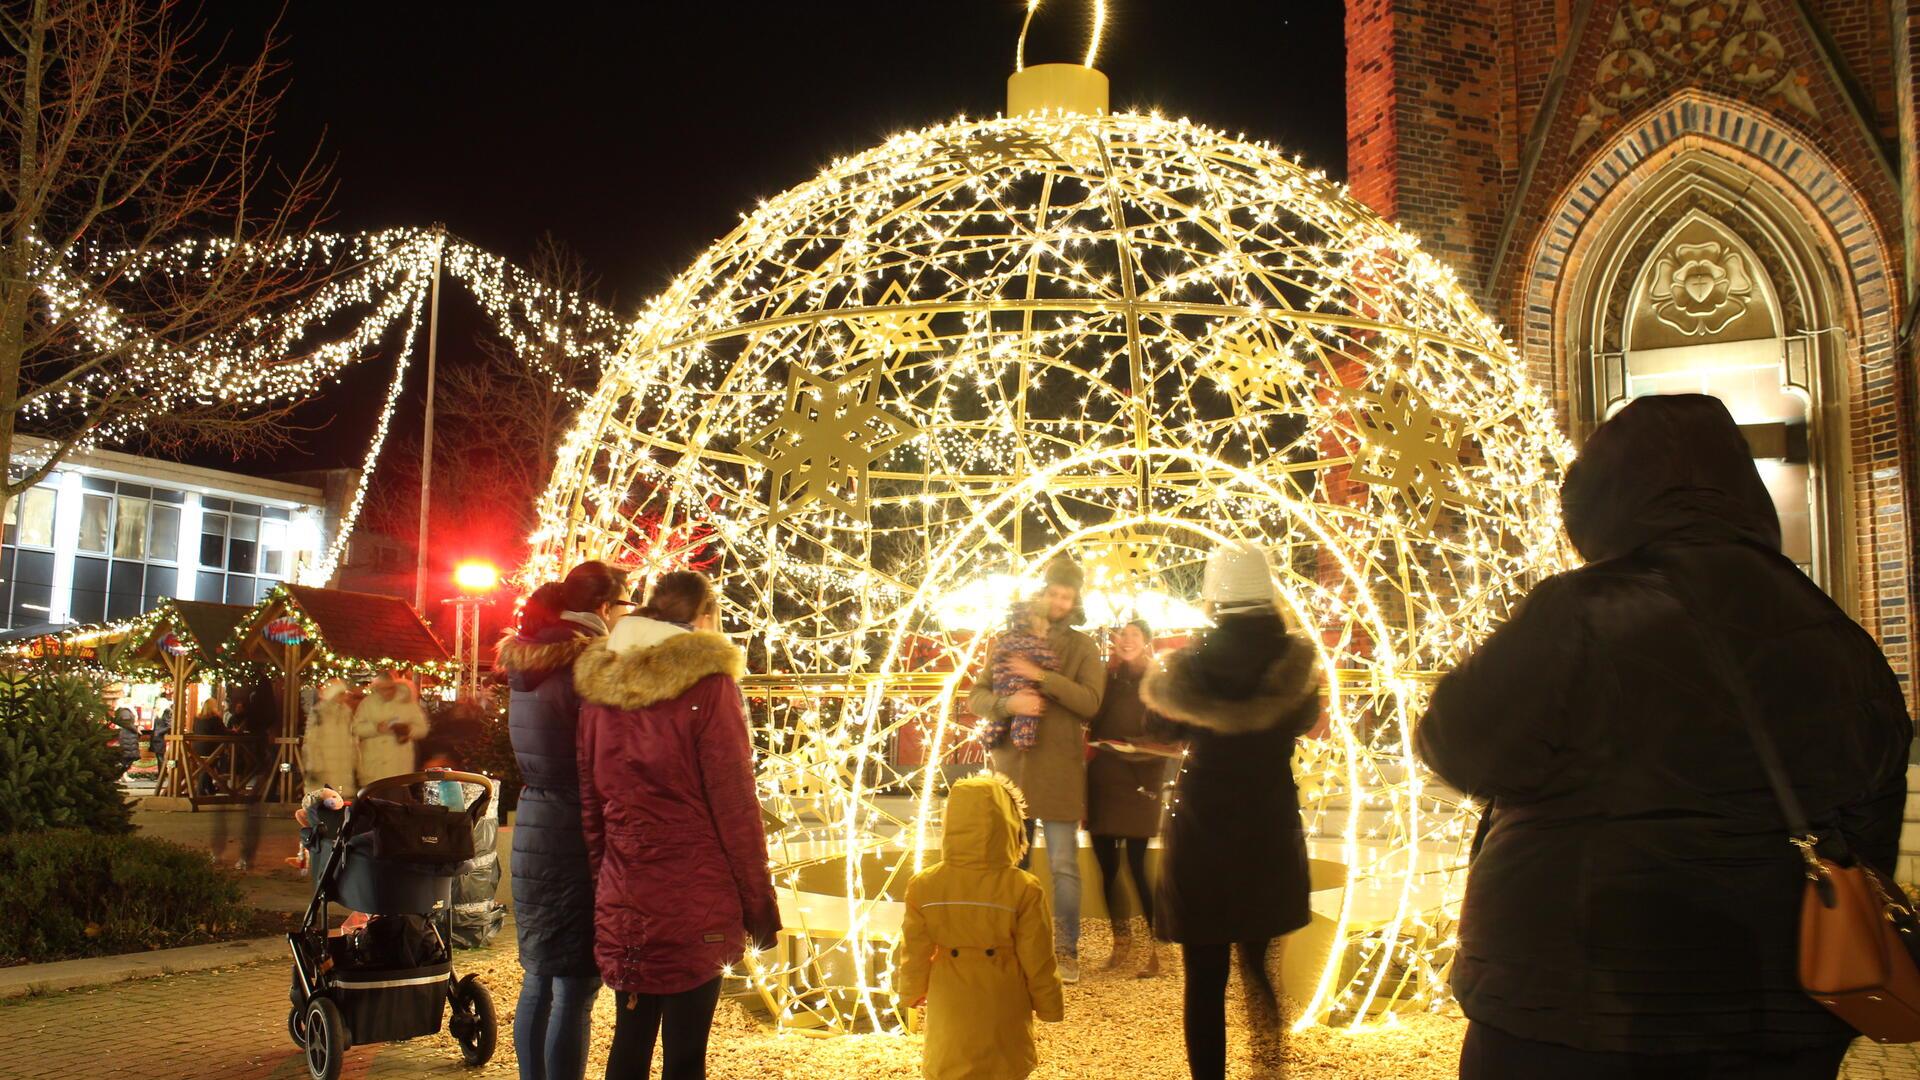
637,133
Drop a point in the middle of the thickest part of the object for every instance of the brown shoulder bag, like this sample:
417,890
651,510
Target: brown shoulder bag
1859,937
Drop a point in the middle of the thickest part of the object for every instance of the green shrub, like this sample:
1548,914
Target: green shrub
57,769
68,893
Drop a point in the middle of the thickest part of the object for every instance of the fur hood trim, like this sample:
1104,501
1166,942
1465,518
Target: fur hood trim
519,656
637,678
1173,689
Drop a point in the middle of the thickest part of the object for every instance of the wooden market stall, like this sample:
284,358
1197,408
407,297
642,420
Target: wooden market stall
185,638
300,632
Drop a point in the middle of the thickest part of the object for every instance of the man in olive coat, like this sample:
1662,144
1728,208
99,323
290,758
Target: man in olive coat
1053,772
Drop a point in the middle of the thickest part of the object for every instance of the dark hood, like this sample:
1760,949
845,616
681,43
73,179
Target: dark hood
1672,468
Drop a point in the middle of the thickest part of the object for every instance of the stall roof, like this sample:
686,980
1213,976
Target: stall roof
369,626
210,624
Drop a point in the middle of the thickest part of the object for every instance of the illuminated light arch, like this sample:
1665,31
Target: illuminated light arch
984,342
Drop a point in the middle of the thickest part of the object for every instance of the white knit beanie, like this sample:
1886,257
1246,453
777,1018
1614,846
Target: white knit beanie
1237,578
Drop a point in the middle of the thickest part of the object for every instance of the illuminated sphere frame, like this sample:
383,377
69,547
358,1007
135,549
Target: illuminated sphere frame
1126,337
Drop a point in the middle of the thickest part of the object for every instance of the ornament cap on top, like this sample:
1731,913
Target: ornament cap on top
1064,88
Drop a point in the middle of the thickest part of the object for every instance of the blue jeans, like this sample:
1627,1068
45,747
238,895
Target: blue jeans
550,1026
1063,866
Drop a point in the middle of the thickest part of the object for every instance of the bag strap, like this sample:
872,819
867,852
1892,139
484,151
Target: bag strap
1800,832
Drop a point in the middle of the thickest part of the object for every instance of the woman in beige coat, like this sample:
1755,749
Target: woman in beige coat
389,724
329,751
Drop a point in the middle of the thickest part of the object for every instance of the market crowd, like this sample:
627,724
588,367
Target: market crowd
1632,902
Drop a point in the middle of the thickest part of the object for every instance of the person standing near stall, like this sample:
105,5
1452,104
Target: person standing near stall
1124,781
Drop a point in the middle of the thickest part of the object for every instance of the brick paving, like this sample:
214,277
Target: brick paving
230,1025
216,1025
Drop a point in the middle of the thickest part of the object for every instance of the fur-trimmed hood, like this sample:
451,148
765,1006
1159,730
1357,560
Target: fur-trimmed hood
1178,688
531,660
646,662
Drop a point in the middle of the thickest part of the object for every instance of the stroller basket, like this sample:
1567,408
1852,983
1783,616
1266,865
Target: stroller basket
385,1004
400,858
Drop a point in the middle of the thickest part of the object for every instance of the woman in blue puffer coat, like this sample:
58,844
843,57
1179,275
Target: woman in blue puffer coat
552,882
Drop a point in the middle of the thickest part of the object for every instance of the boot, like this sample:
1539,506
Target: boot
1149,961
1122,945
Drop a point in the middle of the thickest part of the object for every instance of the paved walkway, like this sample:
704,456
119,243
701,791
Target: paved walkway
216,1025
230,1025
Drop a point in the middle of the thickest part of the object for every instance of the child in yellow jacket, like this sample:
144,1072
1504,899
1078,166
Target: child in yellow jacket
978,942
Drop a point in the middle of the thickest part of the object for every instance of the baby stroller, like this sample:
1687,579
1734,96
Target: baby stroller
392,856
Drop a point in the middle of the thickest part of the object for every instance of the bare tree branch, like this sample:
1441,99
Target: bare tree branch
129,132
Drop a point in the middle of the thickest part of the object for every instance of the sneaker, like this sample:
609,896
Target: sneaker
1069,965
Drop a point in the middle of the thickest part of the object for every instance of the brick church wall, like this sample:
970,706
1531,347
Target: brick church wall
1446,112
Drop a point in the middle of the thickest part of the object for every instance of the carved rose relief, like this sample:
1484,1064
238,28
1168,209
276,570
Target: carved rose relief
1700,289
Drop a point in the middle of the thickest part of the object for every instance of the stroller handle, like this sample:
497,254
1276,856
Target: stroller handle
434,776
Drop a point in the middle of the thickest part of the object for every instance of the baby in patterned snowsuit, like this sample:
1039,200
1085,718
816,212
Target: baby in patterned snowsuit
1025,635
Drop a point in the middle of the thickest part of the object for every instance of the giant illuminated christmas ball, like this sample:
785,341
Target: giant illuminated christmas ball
875,408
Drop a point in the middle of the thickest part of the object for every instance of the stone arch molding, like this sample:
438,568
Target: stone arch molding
1768,181
1835,213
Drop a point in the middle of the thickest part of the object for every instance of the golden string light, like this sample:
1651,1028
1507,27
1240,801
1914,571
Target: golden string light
1126,337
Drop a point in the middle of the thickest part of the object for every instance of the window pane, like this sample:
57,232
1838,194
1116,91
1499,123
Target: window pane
209,586
130,529
212,503
163,542
165,496
160,585
95,512
89,590
213,540
239,589
96,483
36,517
276,513
32,587
244,527
241,554
273,548
123,594
249,509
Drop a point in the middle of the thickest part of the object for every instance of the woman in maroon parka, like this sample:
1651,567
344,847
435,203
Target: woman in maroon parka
672,822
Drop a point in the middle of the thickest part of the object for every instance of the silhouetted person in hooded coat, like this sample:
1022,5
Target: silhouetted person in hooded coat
1633,907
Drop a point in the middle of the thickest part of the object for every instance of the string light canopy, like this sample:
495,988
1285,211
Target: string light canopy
1124,337
372,281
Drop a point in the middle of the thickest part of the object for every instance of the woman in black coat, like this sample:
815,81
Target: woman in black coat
1233,869
1633,907
552,881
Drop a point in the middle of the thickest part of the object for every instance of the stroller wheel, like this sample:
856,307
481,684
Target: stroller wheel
472,1024
297,1026
327,1039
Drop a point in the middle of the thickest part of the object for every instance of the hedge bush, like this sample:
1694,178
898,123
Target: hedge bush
68,893
57,769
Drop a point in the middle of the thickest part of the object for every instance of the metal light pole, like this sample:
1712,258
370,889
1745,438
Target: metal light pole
475,580
426,442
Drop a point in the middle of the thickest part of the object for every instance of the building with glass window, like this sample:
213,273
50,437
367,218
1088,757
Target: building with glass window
108,535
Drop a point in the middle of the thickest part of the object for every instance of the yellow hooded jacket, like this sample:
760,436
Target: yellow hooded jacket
978,942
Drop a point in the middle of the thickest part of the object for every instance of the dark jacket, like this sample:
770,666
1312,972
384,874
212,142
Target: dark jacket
552,883
1123,790
1233,853
1635,890
670,807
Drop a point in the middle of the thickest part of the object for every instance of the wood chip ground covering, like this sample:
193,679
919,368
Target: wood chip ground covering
1116,1026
